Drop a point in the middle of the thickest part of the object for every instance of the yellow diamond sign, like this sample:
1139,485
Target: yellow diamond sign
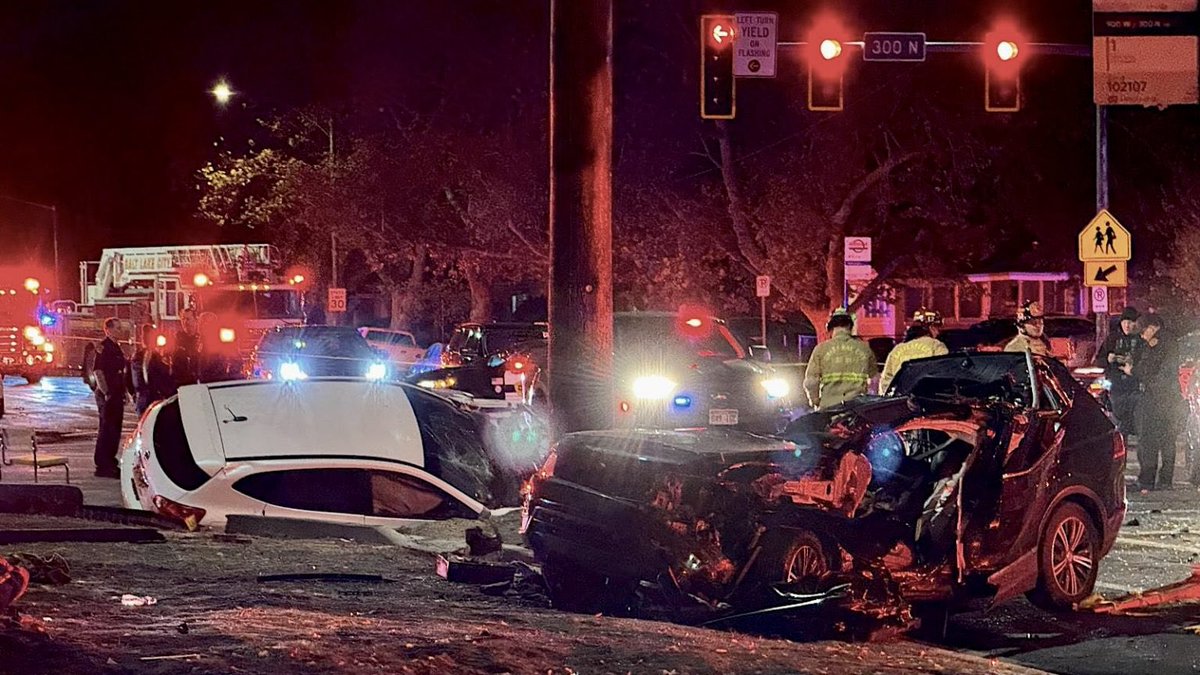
1104,239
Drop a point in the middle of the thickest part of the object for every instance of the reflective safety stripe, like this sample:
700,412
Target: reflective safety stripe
833,378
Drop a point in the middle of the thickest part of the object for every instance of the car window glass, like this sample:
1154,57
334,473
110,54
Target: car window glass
454,445
173,451
324,490
397,495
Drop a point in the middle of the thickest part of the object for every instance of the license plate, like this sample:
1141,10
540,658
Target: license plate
719,417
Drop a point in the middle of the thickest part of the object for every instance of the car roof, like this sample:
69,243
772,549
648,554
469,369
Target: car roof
323,417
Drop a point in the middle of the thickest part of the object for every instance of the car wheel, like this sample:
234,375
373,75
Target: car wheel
1067,559
805,561
573,589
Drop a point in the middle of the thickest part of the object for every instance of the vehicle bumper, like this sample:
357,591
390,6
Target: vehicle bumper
603,534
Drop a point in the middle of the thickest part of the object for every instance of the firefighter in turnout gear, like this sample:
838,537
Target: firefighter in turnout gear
920,342
840,368
1031,328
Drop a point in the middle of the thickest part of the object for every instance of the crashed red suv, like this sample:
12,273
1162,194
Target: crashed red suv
987,475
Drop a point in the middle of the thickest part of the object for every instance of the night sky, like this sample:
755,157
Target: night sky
106,112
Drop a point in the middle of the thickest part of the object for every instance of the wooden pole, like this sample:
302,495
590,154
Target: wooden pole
581,330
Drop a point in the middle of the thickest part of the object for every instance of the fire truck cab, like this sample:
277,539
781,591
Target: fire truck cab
25,350
236,290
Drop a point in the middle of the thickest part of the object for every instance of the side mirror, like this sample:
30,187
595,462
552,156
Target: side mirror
760,353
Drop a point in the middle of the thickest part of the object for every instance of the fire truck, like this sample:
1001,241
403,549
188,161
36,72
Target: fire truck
239,284
25,350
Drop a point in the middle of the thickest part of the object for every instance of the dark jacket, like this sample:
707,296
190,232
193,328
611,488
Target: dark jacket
158,378
110,370
1121,346
185,359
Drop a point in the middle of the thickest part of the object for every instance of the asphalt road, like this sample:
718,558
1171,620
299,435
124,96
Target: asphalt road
1158,545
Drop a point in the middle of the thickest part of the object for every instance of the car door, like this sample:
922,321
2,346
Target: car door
404,494
1028,480
309,490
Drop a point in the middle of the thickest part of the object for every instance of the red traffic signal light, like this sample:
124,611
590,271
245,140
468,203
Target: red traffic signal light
717,35
826,64
1004,52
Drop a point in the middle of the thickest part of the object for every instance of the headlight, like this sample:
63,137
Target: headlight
376,371
653,387
291,371
776,387
38,340
227,335
32,332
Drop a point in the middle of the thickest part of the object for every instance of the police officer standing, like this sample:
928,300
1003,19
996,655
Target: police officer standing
840,368
109,374
1031,331
920,342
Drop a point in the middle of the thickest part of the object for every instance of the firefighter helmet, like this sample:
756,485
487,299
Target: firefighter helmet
927,317
1030,311
840,318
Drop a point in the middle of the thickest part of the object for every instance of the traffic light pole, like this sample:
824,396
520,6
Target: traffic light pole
1101,196
581,328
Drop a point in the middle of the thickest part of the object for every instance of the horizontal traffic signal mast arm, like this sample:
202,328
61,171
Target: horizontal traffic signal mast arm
1049,48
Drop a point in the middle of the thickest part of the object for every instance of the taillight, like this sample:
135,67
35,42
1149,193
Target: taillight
1119,449
188,515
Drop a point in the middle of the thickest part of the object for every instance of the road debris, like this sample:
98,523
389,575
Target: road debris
462,570
13,583
336,577
1185,591
50,569
130,600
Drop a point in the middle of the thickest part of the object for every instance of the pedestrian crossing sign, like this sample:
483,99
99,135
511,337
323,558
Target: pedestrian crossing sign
1104,239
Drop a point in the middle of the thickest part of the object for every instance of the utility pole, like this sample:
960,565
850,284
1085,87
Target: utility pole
581,328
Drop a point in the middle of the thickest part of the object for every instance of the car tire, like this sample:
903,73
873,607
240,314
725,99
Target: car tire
1068,564
805,560
33,378
574,589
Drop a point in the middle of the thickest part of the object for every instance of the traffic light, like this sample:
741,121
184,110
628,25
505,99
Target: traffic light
826,66
717,33
1003,55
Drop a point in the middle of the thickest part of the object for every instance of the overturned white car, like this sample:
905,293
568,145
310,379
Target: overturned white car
334,449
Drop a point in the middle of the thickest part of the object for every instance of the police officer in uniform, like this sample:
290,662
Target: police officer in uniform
109,375
1031,331
841,367
920,342
185,359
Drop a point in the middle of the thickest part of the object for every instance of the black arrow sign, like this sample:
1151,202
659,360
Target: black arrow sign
1102,273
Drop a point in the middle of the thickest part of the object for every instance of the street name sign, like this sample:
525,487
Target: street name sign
1144,52
762,286
857,249
893,46
1104,239
1106,273
336,301
755,50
